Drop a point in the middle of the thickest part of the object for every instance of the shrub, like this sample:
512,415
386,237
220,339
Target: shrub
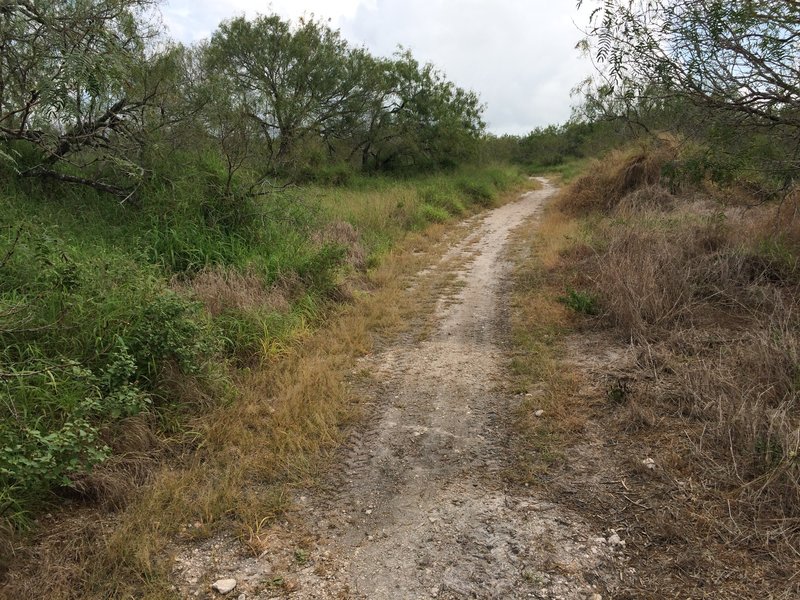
441,197
168,329
580,301
478,192
433,214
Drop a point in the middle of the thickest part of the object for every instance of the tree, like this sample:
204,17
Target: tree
715,65
418,118
307,84
66,87
293,83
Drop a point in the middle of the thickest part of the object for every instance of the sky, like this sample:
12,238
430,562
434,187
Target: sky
519,56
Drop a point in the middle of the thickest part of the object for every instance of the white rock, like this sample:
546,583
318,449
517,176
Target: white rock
615,540
596,597
649,463
538,413
224,586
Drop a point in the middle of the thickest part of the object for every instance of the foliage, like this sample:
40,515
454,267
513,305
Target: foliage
307,94
580,301
719,72
72,97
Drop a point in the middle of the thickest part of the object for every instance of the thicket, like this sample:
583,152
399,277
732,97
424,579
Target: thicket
171,213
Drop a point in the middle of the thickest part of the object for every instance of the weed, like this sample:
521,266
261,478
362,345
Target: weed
580,301
619,391
433,214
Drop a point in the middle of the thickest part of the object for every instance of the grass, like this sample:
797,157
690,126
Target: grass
702,298
539,322
246,393
563,173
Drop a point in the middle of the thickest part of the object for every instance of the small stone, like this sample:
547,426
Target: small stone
224,586
538,413
368,511
649,463
434,592
596,597
615,540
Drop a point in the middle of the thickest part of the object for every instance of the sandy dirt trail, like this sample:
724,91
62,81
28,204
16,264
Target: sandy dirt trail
417,507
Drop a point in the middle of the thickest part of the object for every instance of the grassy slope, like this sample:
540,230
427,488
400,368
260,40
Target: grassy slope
206,341
702,293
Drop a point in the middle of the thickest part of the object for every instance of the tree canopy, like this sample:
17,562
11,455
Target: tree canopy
710,67
88,88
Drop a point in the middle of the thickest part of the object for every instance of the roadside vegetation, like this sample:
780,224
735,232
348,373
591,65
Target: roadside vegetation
674,257
193,246
196,242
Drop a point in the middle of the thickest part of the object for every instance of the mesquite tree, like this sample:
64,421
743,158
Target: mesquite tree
68,95
736,60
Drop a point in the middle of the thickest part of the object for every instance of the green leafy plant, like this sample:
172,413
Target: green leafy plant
580,301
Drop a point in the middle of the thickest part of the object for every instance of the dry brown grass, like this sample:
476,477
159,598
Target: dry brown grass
694,360
538,322
342,233
606,182
649,198
709,300
221,290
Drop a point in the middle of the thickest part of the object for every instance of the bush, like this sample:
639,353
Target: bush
581,302
441,197
478,192
433,214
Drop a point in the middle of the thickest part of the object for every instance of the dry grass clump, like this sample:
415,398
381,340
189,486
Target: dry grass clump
711,300
606,182
642,280
650,198
223,289
342,233
745,390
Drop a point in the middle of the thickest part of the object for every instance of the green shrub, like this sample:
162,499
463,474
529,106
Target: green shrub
582,302
442,197
433,214
478,192
168,329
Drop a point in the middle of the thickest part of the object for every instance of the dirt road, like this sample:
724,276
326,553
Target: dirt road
418,507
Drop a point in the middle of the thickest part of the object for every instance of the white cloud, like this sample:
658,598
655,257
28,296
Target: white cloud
517,54
191,20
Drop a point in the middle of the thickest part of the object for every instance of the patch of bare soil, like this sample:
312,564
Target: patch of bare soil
417,506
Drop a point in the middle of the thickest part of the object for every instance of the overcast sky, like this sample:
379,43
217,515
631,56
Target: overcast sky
518,55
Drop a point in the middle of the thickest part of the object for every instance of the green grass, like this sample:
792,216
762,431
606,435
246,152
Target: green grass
565,172
94,329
